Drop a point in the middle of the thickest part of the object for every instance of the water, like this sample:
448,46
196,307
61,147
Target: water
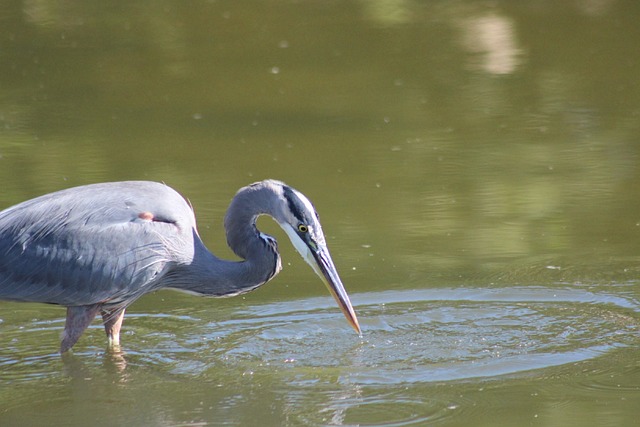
458,346
475,166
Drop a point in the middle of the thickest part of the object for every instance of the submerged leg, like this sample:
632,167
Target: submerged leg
78,319
112,320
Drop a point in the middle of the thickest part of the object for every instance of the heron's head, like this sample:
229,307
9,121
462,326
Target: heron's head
299,219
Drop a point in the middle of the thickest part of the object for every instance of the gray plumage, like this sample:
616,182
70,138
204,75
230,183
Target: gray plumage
97,248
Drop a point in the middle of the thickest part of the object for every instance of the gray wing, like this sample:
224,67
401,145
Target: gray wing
103,243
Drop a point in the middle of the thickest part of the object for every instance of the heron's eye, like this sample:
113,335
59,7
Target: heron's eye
303,228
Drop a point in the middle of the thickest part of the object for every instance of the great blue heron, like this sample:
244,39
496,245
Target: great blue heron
98,248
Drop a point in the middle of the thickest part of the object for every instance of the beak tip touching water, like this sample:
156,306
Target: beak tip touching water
347,309
342,299
350,314
329,276
354,323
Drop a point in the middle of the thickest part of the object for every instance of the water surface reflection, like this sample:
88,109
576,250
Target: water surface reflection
425,338
410,336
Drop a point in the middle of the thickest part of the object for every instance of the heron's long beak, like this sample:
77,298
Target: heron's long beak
317,256
324,268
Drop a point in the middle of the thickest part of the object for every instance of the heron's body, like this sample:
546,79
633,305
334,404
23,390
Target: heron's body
97,248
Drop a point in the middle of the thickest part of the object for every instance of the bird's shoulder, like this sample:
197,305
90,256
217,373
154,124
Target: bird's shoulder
100,206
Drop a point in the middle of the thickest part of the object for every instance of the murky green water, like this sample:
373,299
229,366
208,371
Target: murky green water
476,166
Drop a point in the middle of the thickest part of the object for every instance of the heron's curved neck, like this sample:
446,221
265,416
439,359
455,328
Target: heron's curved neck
210,275
261,260
243,236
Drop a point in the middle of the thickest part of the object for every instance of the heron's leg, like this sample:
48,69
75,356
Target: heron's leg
112,320
78,319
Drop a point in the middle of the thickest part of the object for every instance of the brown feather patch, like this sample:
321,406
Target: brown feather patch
147,216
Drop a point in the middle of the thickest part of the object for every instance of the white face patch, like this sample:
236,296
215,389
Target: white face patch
301,247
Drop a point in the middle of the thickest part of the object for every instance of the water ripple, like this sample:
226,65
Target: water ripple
415,336
436,335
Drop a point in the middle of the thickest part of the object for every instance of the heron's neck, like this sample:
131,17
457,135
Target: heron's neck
243,236
211,276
